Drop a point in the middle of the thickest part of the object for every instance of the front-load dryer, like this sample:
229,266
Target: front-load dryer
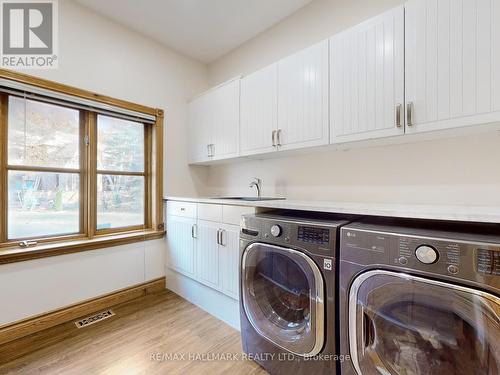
420,298
287,287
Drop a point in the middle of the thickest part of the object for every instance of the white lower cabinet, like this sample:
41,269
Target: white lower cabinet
180,242
207,250
207,253
229,260
217,256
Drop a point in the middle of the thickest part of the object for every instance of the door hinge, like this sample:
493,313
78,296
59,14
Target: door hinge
86,140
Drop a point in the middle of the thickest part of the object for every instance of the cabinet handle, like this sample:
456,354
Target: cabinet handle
208,150
409,113
221,241
193,231
218,236
398,115
279,137
213,150
273,137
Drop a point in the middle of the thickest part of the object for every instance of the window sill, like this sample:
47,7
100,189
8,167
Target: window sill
12,255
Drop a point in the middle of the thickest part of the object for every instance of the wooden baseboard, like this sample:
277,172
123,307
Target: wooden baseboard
39,323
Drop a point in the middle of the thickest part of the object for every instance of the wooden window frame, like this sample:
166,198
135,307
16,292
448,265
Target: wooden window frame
89,237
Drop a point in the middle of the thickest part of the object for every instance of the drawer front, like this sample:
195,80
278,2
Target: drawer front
232,214
183,209
210,212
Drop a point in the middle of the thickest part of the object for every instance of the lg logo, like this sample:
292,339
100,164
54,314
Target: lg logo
29,37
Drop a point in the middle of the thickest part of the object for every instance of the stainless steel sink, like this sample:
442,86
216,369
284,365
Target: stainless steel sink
251,199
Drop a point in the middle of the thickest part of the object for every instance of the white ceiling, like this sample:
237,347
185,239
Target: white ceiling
202,29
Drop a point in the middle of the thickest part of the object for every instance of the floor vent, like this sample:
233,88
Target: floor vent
89,320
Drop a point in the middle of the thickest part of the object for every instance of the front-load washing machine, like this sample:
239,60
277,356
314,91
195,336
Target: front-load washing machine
287,287
420,298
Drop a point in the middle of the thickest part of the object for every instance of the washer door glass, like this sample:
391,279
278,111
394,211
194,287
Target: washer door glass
406,325
283,297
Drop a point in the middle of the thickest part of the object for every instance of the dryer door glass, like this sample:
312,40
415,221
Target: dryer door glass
405,325
283,297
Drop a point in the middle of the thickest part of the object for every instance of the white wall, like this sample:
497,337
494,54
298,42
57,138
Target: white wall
460,170
38,286
316,21
99,55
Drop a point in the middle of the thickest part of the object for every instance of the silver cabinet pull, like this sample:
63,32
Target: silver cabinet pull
208,150
273,138
221,241
409,113
279,137
218,236
193,231
213,150
398,115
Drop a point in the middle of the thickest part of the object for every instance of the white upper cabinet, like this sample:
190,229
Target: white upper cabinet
199,129
226,120
213,120
367,79
425,66
259,111
303,98
452,63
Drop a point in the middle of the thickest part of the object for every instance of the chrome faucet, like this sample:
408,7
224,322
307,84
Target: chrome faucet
257,182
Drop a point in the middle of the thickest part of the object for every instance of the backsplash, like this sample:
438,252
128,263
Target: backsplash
463,170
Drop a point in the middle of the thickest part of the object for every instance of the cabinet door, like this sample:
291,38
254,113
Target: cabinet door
229,264
207,253
226,119
180,244
259,111
303,98
452,63
199,128
367,79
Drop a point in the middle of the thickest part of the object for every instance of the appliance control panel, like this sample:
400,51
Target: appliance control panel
425,252
315,235
488,262
468,260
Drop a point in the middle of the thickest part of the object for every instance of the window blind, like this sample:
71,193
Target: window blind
33,92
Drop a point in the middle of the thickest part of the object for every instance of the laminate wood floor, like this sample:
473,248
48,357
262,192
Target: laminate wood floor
156,334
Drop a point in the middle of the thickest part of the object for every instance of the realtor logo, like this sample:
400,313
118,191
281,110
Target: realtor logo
29,34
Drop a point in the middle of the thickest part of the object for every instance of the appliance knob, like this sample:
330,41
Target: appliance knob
403,261
276,230
426,254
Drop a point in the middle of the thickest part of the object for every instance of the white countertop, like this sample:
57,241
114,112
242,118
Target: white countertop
413,211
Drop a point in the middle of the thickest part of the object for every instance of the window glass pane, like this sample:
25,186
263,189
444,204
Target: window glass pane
120,145
120,201
42,135
42,204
